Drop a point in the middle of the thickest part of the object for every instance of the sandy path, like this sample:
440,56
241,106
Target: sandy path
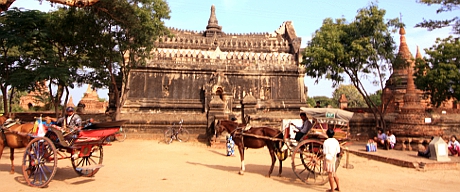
147,165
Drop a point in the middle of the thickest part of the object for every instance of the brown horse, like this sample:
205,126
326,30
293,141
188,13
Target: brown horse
9,137
255,137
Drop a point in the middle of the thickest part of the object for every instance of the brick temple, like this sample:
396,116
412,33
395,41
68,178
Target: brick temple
209,75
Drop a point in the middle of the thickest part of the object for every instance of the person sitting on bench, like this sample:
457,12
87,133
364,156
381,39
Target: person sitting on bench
67,125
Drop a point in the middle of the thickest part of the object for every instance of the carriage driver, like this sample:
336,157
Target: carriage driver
304,129
69,123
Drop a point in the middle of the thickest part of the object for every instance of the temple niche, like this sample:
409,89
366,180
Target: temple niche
209,73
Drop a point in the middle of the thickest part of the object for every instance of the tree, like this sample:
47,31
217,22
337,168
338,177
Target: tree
325,101
356,50
355,99
5,4
126,35
17,30
439,74
445,6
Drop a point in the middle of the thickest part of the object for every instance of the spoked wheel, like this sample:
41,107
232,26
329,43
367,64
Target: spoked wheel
121,135
169,136
183,135
39,162
307,162
87,163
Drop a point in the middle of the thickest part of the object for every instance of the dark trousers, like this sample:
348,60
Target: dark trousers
298,136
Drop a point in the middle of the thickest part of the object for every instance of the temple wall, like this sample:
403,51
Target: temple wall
183,87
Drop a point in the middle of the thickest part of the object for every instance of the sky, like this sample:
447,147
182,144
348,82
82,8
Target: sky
245,16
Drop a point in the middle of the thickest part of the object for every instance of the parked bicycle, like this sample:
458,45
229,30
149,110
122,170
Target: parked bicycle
120,136
173,133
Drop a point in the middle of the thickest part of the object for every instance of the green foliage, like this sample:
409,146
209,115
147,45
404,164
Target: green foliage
439,74
445,6
325,101
18,30
376,97
72,46
357,50
15,102
355,99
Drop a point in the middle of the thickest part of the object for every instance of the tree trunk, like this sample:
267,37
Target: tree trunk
5,99
10,102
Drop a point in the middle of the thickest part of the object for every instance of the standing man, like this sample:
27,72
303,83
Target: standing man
331,148
304,129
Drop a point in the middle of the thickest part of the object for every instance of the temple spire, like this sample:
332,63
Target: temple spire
213,19
213,28
418,55
404,52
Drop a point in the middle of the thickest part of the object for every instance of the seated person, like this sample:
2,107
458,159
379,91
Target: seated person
381,138
68,124
425,153
304,129
391,140
453,146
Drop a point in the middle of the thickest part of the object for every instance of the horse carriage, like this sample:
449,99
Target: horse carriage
307,155
45,146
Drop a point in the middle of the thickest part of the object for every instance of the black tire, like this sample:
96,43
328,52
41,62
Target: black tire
121,135
87,163
183,135
169,136
307,162
39,162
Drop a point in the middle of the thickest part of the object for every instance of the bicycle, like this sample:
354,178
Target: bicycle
172,133
120,136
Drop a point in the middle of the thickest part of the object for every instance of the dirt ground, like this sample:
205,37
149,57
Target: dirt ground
149,165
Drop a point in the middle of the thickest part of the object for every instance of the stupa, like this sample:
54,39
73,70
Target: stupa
90,102
413,124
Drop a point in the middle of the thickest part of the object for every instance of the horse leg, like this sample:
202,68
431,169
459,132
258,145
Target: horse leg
241,150
281,168
272,154
12,159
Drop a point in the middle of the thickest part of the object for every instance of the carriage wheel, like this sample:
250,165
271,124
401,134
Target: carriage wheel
183,135
39,162
87,166
121,135
307,162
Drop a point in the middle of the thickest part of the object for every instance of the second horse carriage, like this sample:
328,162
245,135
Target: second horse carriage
307,155
45,146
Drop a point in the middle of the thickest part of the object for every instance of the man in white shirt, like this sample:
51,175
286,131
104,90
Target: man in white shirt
331,148
304,129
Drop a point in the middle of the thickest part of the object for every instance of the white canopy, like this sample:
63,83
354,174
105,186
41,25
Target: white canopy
329,114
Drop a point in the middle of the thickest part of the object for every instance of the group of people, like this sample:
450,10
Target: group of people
453,146
386,140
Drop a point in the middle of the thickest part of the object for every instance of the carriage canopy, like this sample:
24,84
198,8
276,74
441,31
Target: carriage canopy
328,115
